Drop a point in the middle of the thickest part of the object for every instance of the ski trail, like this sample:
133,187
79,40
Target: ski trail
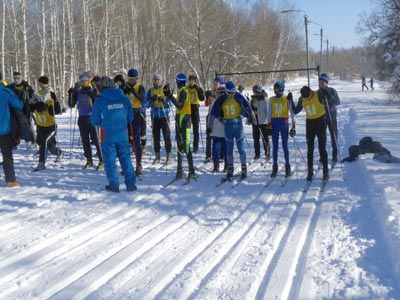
160,273
184,282
53,241
129,251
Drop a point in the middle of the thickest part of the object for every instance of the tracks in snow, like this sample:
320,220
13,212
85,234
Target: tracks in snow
251,248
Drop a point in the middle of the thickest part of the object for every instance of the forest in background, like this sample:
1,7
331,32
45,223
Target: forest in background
62,39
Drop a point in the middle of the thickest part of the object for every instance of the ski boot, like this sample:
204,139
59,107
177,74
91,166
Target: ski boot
88,165
274,171
310,174
325,173
288,171
192,175
243,175
39,167
229,174
216,167
156,159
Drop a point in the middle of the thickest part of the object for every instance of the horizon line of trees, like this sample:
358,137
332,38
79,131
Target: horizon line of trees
64,38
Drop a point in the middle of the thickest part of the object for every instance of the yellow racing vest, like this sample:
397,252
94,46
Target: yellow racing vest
186,110
160,94
279,107
136,103
314,108
193,95
231,108
45,119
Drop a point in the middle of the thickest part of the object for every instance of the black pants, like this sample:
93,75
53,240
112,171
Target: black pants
43,133
134,131
316,128
333,131
195,115
143,130
208,142
260,131
88,132
6,145
161,125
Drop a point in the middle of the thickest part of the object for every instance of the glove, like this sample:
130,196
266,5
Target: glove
167,91
53,96
208,130
292,132
127,90
269,129
40,107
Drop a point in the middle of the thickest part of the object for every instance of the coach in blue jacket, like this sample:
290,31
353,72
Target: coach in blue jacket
6,142
112,111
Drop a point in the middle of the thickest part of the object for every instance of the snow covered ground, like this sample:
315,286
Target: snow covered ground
64,237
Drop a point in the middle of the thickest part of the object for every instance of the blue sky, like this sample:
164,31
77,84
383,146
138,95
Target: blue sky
338,18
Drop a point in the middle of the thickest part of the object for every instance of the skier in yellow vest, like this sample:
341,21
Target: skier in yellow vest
196,94
315,127
136,93
45,109
182,123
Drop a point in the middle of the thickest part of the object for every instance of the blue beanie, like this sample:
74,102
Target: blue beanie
280,85
133,73
181,78
230,87
219,79
324,77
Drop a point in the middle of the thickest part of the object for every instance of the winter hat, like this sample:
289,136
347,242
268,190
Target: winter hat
192,77
257,89
219,80
83,78
133,73
157,77
240,88
181,78
280,85
119,77
43,79
89,73
230,87
324,77
107,82
17,75
305,92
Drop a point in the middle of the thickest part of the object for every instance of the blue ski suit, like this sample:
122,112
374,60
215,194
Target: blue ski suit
112,111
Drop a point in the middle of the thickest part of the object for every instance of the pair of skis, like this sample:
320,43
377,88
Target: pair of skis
282,183
186,182
321,189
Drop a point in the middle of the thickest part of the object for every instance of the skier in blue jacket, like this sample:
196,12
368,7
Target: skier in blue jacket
8,99
112,111
230,108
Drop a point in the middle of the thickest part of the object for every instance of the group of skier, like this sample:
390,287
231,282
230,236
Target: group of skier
118,107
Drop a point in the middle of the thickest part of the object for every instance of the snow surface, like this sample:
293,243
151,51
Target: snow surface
64,237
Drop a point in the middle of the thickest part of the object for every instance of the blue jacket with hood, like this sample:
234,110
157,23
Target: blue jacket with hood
7,98
112,111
